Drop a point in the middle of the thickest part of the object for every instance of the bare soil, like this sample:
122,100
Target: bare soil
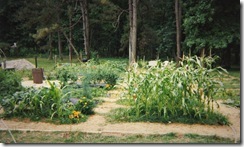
97,123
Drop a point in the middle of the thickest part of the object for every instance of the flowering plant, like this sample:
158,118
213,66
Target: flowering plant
76,116
85,105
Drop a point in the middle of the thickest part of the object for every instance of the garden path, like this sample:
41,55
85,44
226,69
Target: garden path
97,123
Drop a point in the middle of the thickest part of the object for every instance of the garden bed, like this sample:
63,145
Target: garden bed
97,123
183,86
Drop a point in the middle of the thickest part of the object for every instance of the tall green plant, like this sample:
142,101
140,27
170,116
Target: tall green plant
166,92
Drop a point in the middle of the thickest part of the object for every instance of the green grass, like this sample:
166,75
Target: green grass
235,73
48,65
231,82
126,115
79,137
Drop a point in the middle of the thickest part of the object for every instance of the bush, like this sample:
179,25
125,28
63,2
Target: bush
85,105
66,73
10,82
169,93
107,73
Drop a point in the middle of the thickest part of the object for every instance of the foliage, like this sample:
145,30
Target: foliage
43,32
4,46
75,116
10,82
205,25
232,89
51,103
85,105
209,24
106,72
167,93
66,73
166,32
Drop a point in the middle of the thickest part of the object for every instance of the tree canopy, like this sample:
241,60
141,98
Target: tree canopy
39,27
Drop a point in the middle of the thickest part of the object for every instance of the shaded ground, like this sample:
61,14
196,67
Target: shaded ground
98,124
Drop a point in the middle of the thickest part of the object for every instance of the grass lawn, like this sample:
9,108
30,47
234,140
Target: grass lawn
48,65
79,137
232,85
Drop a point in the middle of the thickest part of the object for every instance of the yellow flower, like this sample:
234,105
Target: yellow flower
107,86
76,114
71,116
83,97
80,101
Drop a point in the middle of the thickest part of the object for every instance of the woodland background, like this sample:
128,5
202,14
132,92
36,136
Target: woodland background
165,29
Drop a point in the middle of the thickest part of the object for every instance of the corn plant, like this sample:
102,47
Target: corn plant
166,92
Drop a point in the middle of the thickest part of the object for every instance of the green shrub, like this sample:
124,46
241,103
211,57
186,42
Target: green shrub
85,105
169,93
66,73
10,82
101,73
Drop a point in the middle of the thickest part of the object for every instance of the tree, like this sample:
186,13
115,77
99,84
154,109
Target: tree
153,29
84,10
38,15
178,29
70,14
211,25
10,27
133,30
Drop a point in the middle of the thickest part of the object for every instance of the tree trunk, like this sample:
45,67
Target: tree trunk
60,46
71,44
70,33
130,34
178,29
202,53
50,46
133,30
84,10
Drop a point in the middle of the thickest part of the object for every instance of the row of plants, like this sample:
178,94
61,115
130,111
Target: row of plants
170,92
47,103
92,72
71,102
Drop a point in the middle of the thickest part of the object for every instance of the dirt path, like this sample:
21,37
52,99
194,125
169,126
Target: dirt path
98,124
